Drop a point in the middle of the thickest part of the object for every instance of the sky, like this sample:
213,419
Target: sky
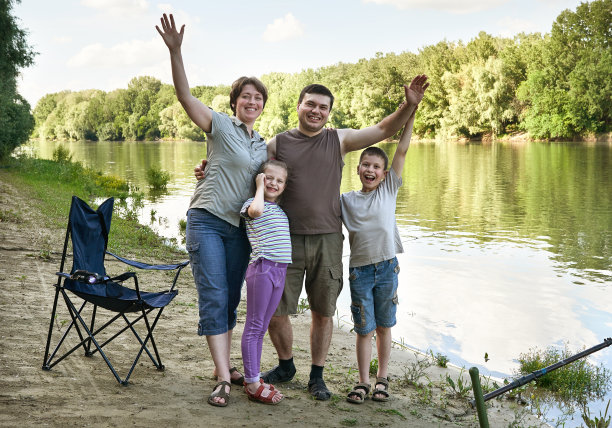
103,44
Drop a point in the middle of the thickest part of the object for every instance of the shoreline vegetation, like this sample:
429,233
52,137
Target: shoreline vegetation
34,196
552,86
519,137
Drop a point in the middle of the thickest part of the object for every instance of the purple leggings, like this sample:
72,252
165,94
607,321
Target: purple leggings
265,282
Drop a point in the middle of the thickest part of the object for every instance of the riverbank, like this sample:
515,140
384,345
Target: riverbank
81,391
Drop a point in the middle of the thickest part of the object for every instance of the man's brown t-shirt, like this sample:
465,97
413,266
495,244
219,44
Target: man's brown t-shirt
311,199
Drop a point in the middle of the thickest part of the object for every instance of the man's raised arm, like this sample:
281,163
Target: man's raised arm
356,139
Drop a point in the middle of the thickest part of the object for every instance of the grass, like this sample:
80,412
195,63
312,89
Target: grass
414,371
10,216
460,388
603,421
579,381
51,184
374,366
440,359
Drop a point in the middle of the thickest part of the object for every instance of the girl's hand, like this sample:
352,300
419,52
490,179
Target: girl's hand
260,180
172,38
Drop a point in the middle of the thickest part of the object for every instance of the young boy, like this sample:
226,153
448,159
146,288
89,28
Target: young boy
369,217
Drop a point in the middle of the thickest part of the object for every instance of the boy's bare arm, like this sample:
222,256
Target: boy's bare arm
402,147
353,139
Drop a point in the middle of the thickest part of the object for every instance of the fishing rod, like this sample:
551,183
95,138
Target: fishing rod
538,373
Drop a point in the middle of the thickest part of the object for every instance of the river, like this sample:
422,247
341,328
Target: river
508,246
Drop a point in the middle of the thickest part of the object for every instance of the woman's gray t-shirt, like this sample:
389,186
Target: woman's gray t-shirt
234,157
370,220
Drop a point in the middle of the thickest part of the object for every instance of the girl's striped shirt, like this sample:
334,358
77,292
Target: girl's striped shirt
268,233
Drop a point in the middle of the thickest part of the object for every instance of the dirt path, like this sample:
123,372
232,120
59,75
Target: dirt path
81,391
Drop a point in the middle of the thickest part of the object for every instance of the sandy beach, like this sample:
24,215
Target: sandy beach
81,391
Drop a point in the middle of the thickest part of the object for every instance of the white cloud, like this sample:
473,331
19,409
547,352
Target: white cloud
285,28
60,40
452,6
118,7
133,53
509,27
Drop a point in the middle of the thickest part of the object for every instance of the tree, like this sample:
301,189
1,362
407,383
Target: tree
16,120
569,93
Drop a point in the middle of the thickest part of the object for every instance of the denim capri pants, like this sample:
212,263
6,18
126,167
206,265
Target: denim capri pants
219,255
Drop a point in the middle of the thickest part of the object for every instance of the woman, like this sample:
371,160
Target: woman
217,243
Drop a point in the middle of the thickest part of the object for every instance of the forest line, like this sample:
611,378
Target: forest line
552,86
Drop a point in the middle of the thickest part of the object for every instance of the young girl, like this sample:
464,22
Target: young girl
268,231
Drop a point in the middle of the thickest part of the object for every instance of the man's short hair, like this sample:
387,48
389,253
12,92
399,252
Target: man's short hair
375,151
315,88
239,85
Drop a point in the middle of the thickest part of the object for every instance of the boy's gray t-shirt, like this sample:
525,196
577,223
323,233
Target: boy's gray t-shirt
370,221
234,157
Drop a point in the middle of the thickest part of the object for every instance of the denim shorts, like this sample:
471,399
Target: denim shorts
374,295
219,255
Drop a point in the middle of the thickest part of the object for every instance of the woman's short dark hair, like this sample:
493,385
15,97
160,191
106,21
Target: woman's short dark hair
315,88
375,151
239,85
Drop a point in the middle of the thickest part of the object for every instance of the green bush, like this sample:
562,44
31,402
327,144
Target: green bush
157,178
62,154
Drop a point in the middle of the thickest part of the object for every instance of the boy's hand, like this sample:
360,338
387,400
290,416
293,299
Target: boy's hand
416,90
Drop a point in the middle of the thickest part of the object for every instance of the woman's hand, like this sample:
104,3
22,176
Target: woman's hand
172,38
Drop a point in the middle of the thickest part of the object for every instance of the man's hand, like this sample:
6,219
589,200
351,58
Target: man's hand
199,170
416,90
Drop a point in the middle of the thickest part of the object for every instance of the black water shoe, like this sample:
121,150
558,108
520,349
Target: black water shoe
318,389
278,375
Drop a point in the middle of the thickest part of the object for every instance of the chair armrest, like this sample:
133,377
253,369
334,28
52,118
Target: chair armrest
141,265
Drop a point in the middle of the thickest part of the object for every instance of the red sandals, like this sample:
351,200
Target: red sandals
261,399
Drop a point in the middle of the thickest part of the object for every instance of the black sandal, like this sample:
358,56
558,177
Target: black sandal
318,389
381,394
360,390
278,375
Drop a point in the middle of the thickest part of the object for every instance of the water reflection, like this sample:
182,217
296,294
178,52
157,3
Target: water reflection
508,246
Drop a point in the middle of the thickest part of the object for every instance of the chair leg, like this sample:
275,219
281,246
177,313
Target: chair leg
156,361
45,365
88,352
95,342
88,336
48,358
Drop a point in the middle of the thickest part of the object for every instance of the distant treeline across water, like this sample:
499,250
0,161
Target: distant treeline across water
556,85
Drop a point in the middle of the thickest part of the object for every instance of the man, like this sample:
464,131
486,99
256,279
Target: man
315,156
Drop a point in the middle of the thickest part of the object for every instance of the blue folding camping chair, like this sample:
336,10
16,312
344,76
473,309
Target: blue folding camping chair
88,281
